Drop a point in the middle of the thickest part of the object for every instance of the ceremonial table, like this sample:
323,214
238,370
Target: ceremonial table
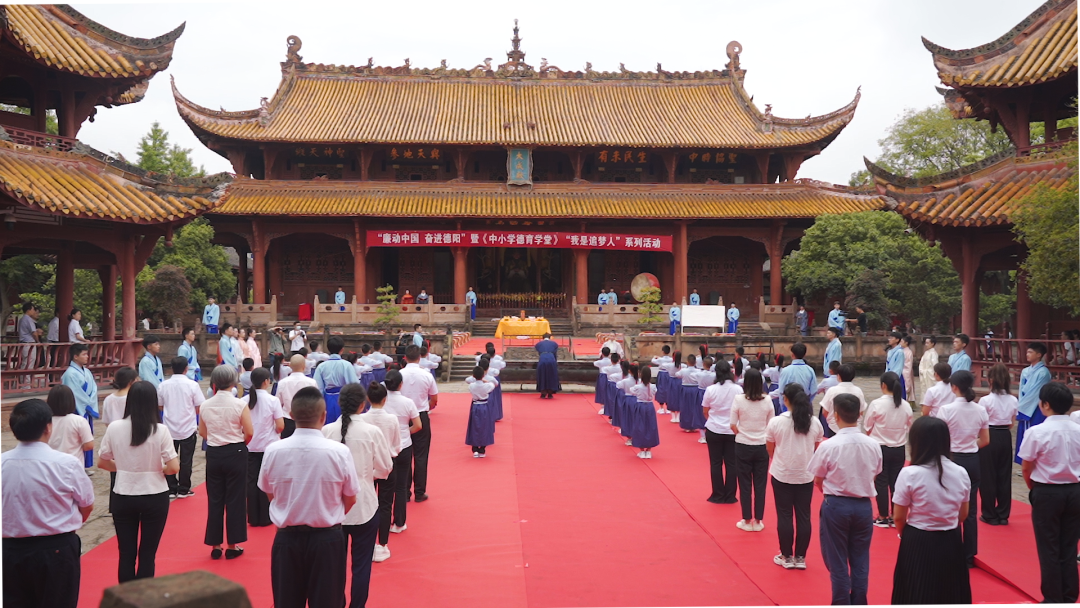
523,327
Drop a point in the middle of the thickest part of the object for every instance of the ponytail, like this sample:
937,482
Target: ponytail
892,383
799,405
351,399
258,378
964,380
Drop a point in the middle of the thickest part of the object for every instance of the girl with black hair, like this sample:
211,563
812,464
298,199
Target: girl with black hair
617,393
791,439
629,404
674,387
609,384
969,430
646,435
723,464
139,449
688,385
601,377
267,422
480,432
705,377
385,421
996,459
114,406
750,416
662,377
409,423
931,499
888,419
71,432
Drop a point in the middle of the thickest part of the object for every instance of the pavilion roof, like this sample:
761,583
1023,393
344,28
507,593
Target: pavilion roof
322,198
1040,48
983,194
513,104
64,39
87,184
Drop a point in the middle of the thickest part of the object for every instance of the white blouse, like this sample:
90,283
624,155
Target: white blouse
933,505
965,419
793,450
139,469
112,409
719,398
221,413
263,418
75,331
69,433
1001,409
887,423
480,390
751,418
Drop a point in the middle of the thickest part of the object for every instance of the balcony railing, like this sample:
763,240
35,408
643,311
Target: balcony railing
1013,354
40,140
38,367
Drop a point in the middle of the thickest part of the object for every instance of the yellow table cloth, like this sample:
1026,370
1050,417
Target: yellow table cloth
518,327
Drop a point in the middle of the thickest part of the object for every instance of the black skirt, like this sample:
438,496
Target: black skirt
931,568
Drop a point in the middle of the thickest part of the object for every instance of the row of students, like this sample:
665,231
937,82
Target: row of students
627,395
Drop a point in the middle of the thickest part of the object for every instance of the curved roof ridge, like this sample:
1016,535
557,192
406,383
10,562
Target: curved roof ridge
184,102
114,36
903,181
1002,41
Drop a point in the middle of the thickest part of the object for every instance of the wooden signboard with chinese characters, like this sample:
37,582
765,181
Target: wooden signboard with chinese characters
519,167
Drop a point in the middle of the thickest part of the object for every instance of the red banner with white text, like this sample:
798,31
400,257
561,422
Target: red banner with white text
517,238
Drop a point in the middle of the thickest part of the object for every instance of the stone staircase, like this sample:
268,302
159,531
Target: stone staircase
751,329
462,367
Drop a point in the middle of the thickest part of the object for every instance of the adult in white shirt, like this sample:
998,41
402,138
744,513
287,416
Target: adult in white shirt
297,338
723,465
140,450
750,416
996,459
372,460
267,422
418,385
969,430
71,432
931,499
791,439
844,468
409,423
1051,465
289,386
887,420
845,387
311,484
180,398
46,498
926,365
940,393
75,332
386,422
225,424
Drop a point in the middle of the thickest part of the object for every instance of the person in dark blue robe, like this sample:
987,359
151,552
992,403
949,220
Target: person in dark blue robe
547,369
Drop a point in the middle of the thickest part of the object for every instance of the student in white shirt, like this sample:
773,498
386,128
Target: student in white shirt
75,332
723,464
687,378
140,450
646,435
312,484
372,460
750,416
71,432
663,377
410,423
930,501
480,432
387,422
609,387
620,382
225,424
845,387
791,439
969,430
267,423
996,459
1051,466
844,468
939,394
601,378
674,386
179,398
704,377
289,386
887,420
418,385
112,409
46,498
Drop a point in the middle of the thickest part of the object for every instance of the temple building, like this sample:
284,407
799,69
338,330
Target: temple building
526,183
61,198
1027,75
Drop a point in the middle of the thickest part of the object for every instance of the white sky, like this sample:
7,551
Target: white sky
803,57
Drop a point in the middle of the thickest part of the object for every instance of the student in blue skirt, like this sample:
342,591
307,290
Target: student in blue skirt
674,387
601,377
481,429
662,377
646,435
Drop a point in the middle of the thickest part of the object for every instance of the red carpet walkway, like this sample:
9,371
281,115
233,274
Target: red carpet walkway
560,513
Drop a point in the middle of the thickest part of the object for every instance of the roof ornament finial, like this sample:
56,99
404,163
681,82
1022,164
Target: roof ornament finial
516,41
733,49
515,58
293,54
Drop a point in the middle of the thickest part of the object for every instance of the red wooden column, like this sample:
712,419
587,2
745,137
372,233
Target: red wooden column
274,262
1023,308
359,263
108,301
242,275
969,314
776,254
461,276
581,275
681,247
65,282
258,264
127,307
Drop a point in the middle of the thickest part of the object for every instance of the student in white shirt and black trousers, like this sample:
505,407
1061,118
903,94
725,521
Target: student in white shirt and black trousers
930,500
46,498
179,398
969,430
996,459
312,484
844,468
225,424
140,450
887,421
267,423
1051,456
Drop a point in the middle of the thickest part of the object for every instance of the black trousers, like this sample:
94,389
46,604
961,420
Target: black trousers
42,571
1055,515
970,462
139,522
258,505
753,479
386,488
421,447
995,487
186,450
362,538
721,459
307,567
226,495
402,477
892,460
793,499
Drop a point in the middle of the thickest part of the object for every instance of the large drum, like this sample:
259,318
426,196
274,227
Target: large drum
641,282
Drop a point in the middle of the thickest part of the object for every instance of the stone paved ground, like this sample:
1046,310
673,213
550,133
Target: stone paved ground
99,527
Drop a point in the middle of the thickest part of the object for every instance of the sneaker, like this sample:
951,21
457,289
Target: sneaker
642,455
800,563
701,440
381,554
89,472
629,442
648,455
881,522
172,495
399,529
744,525
601,412
483,455
892,524
185,494
759,526
476,454
786,562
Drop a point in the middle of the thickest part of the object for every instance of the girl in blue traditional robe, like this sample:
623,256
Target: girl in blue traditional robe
662,377
481,429
601,377
646,435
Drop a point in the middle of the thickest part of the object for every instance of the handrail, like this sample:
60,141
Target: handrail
39,366
1013,354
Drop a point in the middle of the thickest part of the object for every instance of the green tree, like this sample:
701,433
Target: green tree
995,309
156,154
867,290
388,310
87,295
923,285
169,294
650,305
205,264
18,275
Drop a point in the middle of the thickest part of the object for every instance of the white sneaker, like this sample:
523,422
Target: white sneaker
742,524
759,526
800,563
483,455
476,454
701,440
676,419
629,442
787,562
382,553
601,412
642,455
399,529
648,455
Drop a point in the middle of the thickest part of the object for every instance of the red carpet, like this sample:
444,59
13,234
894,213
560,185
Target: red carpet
560,513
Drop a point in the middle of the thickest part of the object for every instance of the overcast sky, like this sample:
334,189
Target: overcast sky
802,56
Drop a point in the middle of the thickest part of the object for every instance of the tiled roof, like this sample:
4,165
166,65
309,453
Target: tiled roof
1040,48
662,201
64,39
983,195
78,184
512,106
